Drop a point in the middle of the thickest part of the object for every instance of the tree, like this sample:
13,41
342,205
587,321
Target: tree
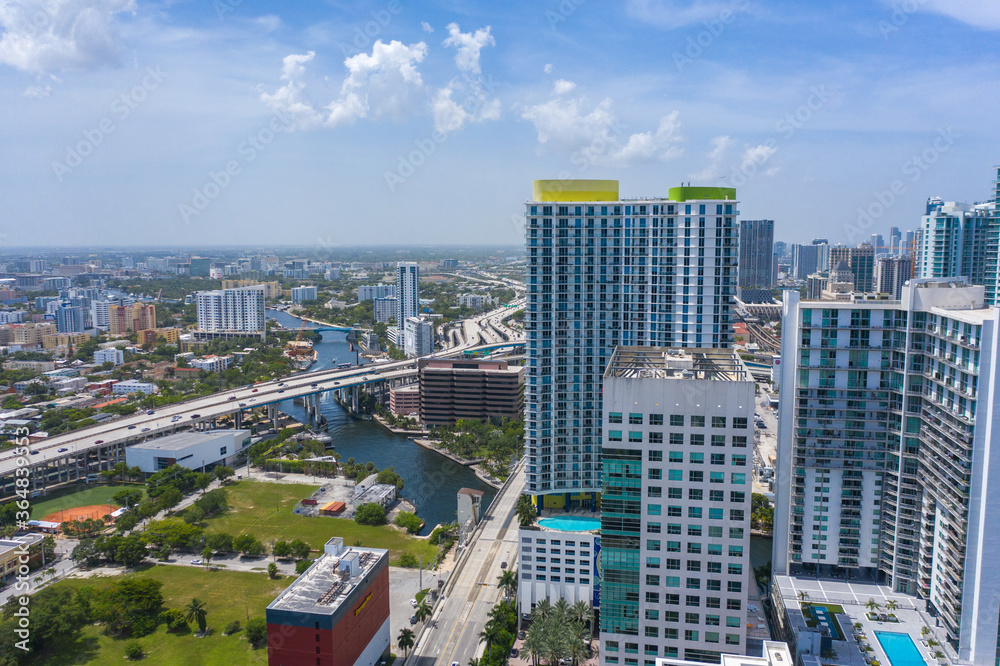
257,631
423,610
405,641
134,651
174,619
525,511
491,636
408,560
300,549
169,498
891,605
206,554
131,551
196,612
281,549
272,570
222,473
370,514
508,582
220,542
533,645
872,605
128,497
129,606
581,612
302,565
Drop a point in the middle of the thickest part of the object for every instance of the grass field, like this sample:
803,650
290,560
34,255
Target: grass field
70,498
265,510
227,595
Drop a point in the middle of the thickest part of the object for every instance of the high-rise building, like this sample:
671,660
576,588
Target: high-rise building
861,259
884,465
407,291
231,310
385,309
418,337
200,266
756,264
100,314
367,292
71,318
891,273
304,293
675,507
878,244
895,238
805,260
469,389
603,272
128,318
954,240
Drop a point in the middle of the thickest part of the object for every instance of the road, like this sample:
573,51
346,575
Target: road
453,634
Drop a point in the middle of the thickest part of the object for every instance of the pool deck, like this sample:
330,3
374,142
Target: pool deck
853,595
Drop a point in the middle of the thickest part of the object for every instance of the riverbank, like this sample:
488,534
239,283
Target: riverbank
399,431
429,445
486,478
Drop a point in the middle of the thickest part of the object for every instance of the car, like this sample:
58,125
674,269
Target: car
521,635
194,416
413,602
335,383
144,430
254,391
63,449
455,663
195,561
413,619
503,565
513,652
232,397
281,390
313,385
281,384
98,441
243,404
176,418
149,412
33,452
131,427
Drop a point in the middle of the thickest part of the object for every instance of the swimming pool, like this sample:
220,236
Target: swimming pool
571,523
822,614
900,649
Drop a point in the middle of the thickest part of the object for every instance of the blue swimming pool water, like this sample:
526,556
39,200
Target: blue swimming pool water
900,649
823,615
571,523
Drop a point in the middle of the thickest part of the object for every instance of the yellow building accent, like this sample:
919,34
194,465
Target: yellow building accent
574,190
701,193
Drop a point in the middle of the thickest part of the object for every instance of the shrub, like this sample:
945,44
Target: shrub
272,570
134,651
370,514
257,631
232,628
409,521
174,619
302,565
408,560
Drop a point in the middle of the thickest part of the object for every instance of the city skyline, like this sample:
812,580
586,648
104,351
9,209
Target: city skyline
343,126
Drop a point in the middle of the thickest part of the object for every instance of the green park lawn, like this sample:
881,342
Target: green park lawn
74,497
228,596
265,511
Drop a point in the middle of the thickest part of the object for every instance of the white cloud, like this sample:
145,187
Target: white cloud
36,92
66,34
268,23
596,136
679,13
562,87
720,147
469,44
756,156
974,12
385,83
548,68
450,116
426,27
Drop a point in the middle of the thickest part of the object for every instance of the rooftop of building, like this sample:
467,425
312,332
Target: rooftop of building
676,363
776,653
183,440
330,580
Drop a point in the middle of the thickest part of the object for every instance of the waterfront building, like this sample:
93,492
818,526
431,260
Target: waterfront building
386,308
469,389
756,264
418,337
304,293
194,450
602,272
367,292
884,464
958,240
675,508
407,291
238,310
337,612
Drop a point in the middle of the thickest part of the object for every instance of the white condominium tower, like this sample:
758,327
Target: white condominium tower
602,272
885,461
675,509
407,292
231,310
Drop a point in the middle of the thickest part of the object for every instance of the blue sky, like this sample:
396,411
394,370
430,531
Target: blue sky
341,123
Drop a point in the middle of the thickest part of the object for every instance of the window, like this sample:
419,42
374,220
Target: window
652,632
736,514
715,549
674,493
692,601
671,616
734,586
694,583
714,567
652,597
690,635
694,512
635,419
732,621
735,569
740,422
718,440
713,602
672,600
696,477
738,478
697,421
614,435
737,496
677,420
656,419
656,438
671,581
694,549
673,546
653,562
222,450
716,477
716,496
739,461
654,491
694,530
673,564
697,458
695,494
654,456
652,614
674,511
715,514
655,474
711,637
675,457
675,475
673,528
714,585
740,442
653,509
733,604
692,618
611,646
694,565
614,417
715,531
653,545
634,436
652,528
718,421
718,459
712,620
735,532
676,439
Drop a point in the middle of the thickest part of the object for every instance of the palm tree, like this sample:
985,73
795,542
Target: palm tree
196,613
490,635
533,644
891,605
804,597
873,605
508,582
562,609
578,651
525,510
423,610
474,662
542,610
405,641
582,612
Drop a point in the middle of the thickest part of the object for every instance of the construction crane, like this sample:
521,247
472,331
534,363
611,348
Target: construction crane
302,328
158,295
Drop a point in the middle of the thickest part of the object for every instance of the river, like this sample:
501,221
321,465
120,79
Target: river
431,481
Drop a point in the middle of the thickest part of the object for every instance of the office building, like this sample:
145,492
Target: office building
477,302
407,291
775,653
200,266
451,390
305,293
861,260
109,355
194,450
891,273
231,310
956,240
577,572
133,386
603,272
815,284
805,261
337,612
71,318
136,317
271,289
418,337
386,309
756,264
367,292
895,241
884,464
675,508
100,315
405,400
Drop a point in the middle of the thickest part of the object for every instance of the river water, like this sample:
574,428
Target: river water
431,481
